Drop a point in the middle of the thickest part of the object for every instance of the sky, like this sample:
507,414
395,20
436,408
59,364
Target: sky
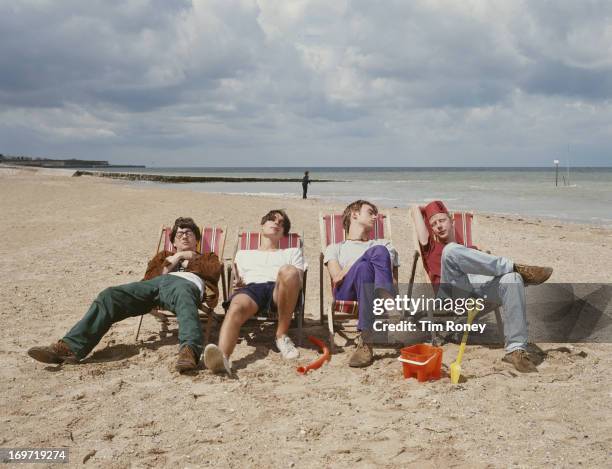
308,83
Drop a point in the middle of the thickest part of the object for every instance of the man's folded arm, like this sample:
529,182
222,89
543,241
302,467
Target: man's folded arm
419,223
155,266
336,272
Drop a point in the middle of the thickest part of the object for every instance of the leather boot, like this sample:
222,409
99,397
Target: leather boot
521,361
362,356
533,274
187,359
58,352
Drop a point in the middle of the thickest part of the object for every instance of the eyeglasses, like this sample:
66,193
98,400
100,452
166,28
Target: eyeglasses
181,234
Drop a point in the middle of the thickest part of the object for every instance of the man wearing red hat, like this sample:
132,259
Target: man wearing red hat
454,267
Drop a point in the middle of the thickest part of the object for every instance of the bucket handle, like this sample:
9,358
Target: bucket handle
412,362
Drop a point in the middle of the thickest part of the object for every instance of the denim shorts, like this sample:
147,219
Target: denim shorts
260,293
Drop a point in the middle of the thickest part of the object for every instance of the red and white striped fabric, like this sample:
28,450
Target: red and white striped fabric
346,307
166,243
211,240
249,240
463,227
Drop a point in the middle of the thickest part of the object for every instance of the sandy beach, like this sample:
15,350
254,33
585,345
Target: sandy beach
65,239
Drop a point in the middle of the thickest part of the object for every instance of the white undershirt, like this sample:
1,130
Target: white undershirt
256,266
193,278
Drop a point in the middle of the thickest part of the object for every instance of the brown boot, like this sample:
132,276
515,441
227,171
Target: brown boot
58,352
187,359
532,274
362,356
521,361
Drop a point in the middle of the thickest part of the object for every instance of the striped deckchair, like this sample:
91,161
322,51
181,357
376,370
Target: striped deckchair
212,240
332,232
250,240
464,224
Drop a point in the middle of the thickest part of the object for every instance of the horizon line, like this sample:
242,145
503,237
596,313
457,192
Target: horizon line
380,167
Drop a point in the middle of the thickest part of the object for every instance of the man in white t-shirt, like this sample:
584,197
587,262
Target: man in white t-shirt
268,278
361,268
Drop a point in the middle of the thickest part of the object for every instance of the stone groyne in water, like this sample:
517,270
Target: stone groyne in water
187,179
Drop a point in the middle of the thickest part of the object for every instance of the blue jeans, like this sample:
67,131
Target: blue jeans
469,271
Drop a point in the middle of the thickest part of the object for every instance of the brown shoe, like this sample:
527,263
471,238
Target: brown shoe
58,352
187,359
362,356
521,361
532,274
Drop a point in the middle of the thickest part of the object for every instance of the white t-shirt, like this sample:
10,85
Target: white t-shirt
255,266
347,252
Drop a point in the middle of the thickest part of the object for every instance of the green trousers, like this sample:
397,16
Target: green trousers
114,304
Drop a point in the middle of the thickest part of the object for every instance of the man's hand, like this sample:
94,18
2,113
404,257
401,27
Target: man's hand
339,277
239,283
180,256
188,255
173,260
337,273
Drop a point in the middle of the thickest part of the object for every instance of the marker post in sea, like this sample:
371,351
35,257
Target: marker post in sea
556,162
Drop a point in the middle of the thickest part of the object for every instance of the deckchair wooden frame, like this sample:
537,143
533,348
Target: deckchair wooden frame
465,234
292,240
206,310
344,310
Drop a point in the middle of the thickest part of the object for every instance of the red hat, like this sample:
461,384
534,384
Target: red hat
433,208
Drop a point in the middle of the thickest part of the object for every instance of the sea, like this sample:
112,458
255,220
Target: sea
577,194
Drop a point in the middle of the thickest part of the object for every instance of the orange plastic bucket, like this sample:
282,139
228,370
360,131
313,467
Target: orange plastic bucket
421,361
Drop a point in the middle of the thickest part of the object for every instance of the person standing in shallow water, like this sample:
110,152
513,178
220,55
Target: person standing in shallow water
305,182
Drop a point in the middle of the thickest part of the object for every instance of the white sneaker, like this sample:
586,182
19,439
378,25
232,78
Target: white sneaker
286,348
216,361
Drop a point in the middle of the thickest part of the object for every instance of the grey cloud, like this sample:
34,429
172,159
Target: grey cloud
556,78
80,51
160,76
138,98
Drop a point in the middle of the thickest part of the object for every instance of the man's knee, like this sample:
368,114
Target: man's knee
379,251
364,270
235,312
241,306
107,293
288,274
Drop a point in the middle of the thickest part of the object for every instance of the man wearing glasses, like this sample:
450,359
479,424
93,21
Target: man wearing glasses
176,282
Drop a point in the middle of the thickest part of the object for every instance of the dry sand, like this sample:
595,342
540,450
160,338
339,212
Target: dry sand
65,239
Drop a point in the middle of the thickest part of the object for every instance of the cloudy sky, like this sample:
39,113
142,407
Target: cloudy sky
308,83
